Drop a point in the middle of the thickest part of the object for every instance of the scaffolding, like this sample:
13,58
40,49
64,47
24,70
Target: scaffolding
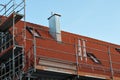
11,52
25,57
74,56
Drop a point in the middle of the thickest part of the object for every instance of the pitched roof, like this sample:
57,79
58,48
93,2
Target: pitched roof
91,55
66,50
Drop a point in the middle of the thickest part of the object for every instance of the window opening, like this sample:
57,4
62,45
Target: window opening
93,58
34,32
117,49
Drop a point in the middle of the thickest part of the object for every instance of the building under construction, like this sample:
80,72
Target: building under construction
34,52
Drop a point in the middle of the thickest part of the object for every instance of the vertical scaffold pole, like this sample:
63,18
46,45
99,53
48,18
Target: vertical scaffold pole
24,37
34,50
110,61
77,61
13,55
24,23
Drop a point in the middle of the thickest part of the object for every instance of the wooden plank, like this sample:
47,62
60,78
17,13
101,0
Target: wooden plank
9,21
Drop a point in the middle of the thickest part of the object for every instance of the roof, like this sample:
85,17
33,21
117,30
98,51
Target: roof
90,55
67,49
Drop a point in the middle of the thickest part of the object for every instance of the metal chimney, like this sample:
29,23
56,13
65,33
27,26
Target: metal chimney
54,25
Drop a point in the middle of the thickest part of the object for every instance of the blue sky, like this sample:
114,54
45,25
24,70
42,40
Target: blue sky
98,19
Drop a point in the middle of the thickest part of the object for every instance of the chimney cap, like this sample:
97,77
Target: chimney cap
55,14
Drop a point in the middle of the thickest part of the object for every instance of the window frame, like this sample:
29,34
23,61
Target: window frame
31,30
94,58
